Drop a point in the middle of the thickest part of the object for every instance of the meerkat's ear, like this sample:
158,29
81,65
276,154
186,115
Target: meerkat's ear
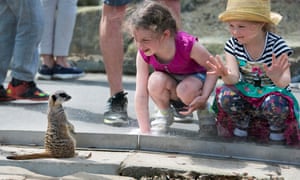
52,100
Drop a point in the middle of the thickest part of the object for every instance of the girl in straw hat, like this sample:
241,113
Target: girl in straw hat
255,99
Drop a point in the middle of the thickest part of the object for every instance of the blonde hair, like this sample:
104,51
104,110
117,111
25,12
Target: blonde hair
268,27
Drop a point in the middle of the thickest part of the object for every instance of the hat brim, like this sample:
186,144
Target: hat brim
226,16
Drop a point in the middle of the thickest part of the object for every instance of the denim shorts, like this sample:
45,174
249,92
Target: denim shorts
178,78
116,2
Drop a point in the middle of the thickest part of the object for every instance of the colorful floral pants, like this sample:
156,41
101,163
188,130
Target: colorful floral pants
273,109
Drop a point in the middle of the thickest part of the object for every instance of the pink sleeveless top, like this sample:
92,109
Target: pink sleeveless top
181,63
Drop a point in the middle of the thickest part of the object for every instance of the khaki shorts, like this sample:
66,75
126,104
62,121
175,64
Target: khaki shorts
116,2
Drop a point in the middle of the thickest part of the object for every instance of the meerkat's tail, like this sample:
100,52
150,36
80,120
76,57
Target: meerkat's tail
30,156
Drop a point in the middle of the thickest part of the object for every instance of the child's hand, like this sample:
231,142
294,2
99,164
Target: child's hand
198,103
217,67
278,67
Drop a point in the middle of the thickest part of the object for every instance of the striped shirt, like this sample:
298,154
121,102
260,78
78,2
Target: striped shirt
251,70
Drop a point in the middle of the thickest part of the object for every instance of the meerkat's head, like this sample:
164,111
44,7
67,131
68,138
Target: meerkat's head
58,98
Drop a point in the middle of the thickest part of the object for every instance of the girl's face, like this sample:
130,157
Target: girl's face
147,41
245,31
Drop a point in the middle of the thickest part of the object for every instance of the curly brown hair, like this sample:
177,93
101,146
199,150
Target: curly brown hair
153,16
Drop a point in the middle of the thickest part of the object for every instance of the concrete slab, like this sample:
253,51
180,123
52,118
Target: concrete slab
223,148
134,165
100,162
145,163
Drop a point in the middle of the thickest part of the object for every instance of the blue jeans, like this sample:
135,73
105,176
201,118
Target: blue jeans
21,28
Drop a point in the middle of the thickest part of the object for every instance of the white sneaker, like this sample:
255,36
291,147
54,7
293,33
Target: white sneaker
240,133
161,122
276,136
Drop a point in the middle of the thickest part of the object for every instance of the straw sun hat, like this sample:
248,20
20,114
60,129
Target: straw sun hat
250,10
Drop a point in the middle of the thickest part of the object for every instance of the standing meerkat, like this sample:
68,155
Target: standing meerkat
58,141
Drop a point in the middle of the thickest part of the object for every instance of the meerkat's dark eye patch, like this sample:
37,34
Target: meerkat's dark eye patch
63,95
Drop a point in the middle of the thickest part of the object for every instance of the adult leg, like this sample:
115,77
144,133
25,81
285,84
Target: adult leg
64,27
28,36
60,19
64,24
46,45
25,56
175,7
8,31
111,46
8,23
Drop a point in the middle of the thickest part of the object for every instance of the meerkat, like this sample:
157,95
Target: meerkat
58,141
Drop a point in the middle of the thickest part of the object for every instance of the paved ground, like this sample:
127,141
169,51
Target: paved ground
120,150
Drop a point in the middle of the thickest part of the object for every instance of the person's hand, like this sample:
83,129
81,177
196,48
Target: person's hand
198,103
278,67
217,67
